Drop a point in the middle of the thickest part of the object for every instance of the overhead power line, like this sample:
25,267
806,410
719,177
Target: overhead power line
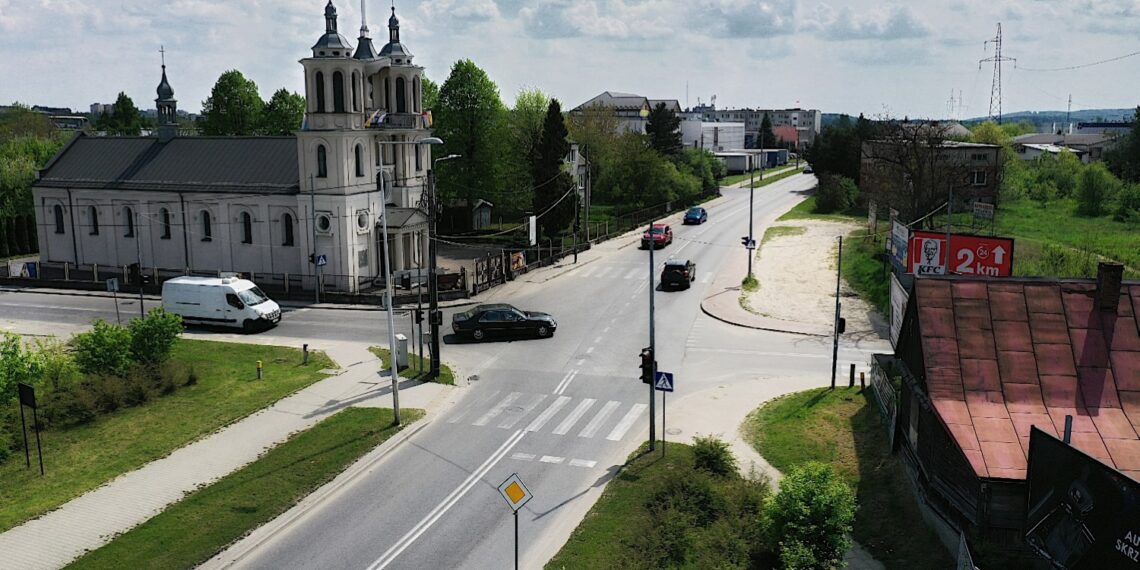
1080,66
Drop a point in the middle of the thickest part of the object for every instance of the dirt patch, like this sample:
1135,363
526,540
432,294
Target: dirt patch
796,270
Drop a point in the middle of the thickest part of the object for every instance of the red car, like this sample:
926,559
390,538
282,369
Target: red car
660,236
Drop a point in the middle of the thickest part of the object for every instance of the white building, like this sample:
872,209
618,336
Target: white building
716,137
255,205
806,122
632,111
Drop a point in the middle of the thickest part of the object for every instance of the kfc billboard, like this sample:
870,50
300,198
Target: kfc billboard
969,255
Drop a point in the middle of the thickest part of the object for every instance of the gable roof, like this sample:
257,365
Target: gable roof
1002,355
265,165
619,101
1063,139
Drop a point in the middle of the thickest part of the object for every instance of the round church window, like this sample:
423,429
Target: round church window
324,223
362,220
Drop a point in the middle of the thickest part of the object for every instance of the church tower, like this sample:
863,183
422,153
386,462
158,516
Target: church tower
167,107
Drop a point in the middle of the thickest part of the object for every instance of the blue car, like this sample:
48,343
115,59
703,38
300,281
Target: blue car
696,216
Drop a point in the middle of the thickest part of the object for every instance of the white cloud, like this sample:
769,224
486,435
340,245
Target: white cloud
894,23
744,18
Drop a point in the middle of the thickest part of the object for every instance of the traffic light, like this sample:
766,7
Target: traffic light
744,241
419,316
312,258
842,325
437,318
647,365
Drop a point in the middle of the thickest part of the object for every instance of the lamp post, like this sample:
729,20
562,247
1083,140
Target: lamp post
434,320
386,261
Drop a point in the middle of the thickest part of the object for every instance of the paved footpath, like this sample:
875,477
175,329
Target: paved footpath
91,520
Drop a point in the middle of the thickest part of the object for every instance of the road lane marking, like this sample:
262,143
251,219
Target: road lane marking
607,329
498,409
523,456
599,339
558,388
56,307
561,387
632,273
583,463
706,278
780,354
447,503
552,459
510,422
472,406
599,419
626,422
548,413
590,350
589,271
605,270
574,416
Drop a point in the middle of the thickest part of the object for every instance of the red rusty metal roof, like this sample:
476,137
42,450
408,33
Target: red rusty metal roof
1005,355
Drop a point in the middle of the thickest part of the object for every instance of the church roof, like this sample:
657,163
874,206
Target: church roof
258,165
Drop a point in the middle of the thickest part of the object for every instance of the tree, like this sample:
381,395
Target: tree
124,119
234,107
469,118
1124,157
283,114
555,198
106,349
1096,186
810,518
523,133
835,194
767,135
18,365
663,127
429,94
19,120
153,336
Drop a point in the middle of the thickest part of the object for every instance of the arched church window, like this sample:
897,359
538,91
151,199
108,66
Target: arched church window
359,161
401,97
388,94
207,228
129,215
287,229
322,162
416,95
93,217
355,92
320,89
165,215
338,92
58,211
246,228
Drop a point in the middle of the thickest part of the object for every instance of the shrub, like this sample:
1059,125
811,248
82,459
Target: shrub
692,493
811,517
70,405
17,365
59,367
1128,204
153,336
109,392
106,349
713,455
1096,186
836,194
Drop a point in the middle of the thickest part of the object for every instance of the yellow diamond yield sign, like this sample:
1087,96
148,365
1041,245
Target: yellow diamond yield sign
515,492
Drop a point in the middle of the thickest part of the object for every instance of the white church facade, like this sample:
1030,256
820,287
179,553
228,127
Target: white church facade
264,206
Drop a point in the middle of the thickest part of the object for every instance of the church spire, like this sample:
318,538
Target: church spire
330,18
167,105
364,47
394,26
394,49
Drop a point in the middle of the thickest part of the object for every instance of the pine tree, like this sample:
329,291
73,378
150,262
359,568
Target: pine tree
554,199
663,127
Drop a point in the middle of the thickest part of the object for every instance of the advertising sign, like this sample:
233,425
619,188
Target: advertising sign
969,255
899,298
1082,514
900,237
983,211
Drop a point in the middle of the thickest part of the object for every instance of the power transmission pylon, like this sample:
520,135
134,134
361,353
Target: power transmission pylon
997,59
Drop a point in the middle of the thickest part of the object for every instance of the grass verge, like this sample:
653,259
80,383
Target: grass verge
662,512
415,362
773,178
864,272
738,178
81,458
806,211
207,520
842,428
782,231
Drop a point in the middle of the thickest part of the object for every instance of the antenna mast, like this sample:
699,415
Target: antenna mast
997,59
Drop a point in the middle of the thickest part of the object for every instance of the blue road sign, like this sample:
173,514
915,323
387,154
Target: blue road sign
664,382
322,261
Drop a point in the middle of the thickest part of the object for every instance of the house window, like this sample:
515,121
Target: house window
359,161
130,217
287,228
246,228
58,211
978,178
165,215
320,88
978,157
401,96
388,94
322,162
419,161
416,93
355,92
93,217
338,92
207,230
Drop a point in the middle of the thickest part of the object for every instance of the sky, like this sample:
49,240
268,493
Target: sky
881,58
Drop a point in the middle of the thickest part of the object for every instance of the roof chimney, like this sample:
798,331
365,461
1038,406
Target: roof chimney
1108,276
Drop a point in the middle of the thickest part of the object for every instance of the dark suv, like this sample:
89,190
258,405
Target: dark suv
678,273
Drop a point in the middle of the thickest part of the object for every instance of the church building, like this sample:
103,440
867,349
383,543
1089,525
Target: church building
281,209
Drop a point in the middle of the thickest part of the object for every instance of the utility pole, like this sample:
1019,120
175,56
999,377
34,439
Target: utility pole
433,284
138,252
997,59
652,344
388,301
313,226
838,320
751,191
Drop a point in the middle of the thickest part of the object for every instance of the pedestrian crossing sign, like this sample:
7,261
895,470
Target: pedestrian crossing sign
664,382
515,492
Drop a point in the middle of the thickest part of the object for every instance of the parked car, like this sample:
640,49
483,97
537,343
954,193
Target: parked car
227,302
678,273
502,320
660,236
696,215
808,170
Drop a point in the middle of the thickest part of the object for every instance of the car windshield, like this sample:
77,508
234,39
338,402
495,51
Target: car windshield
252,296
695,211
675,267
657,231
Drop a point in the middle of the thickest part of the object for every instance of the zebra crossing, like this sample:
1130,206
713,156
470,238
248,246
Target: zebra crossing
625,272
585,418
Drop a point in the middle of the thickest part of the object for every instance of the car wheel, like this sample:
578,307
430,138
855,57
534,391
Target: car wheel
248,327
543,331
478,334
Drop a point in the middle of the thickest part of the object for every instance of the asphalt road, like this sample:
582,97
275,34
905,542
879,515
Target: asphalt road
563,412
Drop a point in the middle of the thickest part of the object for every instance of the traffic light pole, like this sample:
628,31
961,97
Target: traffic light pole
835,336
751,191
652,345
433,284
313,244
138,252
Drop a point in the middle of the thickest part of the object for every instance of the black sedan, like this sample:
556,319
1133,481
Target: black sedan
501,320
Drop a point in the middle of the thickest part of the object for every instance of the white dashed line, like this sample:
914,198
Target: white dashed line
498,409
583,463
592,427
552,459
626,422
590,350
523,456
574,416
548,413
510,422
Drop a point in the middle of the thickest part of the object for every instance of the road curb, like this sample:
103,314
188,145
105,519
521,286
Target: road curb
726,320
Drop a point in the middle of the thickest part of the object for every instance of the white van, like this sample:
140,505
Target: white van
227,302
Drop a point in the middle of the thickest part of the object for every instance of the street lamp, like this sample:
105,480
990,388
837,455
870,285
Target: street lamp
388,275
435,319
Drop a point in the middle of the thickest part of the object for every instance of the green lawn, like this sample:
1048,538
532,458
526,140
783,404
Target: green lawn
661,512
415,363
806,211
738,178
842,428
81,458
207,520
773,178
864,272
782,231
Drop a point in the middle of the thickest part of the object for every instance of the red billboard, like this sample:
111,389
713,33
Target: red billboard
969,255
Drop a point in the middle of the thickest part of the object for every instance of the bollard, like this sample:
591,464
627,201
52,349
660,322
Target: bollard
851,383
259,370
862,381
305,354
66,271
95,271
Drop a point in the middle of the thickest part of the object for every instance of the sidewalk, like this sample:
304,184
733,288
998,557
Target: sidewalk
91,520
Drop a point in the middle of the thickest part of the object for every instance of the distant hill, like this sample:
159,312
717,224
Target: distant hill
1043,120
